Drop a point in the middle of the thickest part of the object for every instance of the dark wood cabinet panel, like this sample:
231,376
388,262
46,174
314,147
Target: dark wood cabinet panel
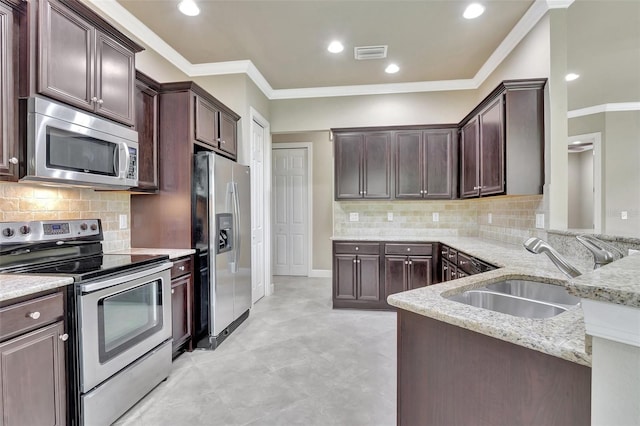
228,134
425,166
146,124
492,149
348,170
440,365
344,269
395,274
368,278
419,272
357,275
409,162
502,142
376,164
181,311
469,161
206,122
8,90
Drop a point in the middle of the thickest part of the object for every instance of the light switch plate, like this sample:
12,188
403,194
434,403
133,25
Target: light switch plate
539,220
123,221
436,217
354,217
390,216
624,215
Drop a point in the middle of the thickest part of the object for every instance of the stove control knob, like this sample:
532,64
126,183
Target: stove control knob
94,226
83,226
25,229
8,232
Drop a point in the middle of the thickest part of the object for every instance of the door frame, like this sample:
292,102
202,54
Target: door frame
309,147
598,227
254,115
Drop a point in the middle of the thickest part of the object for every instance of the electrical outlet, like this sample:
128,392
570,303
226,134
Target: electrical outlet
390,216
539,220
354,217
436,217
489,218
123,221
624,215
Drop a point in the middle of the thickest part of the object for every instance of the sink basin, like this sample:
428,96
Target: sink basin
537,291
508,304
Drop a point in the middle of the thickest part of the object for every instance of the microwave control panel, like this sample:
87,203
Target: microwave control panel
132,171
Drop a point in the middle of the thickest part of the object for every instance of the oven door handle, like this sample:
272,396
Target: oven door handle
102,284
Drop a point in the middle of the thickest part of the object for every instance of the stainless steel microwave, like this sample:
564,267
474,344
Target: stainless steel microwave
71,147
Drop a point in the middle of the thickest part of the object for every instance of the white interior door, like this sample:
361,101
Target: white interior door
258,278
290,204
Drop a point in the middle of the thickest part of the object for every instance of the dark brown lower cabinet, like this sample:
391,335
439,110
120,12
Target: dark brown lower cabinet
182,304
356,276
32,362
448,375
404,273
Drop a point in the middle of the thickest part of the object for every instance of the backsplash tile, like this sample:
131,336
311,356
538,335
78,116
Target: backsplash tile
513,218
22,202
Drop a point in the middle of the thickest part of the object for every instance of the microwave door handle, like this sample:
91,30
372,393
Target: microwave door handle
125,166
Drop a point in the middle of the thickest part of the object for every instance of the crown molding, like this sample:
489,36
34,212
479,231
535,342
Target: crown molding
134,26
597,109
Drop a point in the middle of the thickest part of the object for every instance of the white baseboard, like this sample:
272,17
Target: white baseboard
320,273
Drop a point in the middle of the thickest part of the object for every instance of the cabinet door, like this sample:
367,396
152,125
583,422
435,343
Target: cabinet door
438,161
344,267
115,79
228,138
206,118
492,149
32,378
146,124
368,277
377,165
395,274
348,168
409,165
181,310
8,139
444,271
469,170
418,272
66,49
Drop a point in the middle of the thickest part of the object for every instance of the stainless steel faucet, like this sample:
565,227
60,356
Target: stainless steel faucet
537,246
603,253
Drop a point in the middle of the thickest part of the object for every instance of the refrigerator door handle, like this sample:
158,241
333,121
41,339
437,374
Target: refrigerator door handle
236,232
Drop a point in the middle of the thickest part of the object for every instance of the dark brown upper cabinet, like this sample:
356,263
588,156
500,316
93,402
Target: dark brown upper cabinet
78,58
146,124
425,164
502,142
215,126
8,88
362,165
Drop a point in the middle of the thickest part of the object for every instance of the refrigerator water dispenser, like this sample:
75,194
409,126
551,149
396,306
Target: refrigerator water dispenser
224,228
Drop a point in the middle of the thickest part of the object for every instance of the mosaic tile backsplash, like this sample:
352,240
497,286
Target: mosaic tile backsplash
512,218
22,202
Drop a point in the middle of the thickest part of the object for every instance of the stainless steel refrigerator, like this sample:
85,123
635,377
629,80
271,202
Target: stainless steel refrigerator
222,235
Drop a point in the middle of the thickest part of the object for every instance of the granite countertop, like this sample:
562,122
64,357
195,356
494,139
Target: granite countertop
562,336
172,253
18,285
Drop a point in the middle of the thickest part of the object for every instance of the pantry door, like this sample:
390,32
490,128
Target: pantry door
290,210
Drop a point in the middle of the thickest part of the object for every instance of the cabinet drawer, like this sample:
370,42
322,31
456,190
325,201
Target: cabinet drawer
25,316
408,249
465,263
357,248
181,267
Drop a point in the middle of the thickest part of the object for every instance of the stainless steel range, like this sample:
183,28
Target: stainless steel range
120,312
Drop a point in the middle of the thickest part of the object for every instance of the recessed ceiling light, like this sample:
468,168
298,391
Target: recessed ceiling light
473,11
189,7
571,76
335,47
392,69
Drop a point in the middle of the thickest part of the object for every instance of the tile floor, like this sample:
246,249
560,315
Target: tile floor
294,361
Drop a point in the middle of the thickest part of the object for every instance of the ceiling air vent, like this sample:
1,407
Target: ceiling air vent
370,52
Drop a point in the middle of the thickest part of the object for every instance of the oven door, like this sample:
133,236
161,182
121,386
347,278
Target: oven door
121,319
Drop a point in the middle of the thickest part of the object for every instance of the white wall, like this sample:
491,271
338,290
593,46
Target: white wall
580,183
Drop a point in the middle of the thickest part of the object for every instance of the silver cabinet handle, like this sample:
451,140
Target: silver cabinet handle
406,262
64,337
223,141
13,160
34,315
358,260
408,248
445,268
357,248
476,187
410,263
94,99
181,268
173,291
354,261
462,262
100,101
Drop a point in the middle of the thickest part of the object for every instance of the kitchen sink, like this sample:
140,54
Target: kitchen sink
537,291
508,304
